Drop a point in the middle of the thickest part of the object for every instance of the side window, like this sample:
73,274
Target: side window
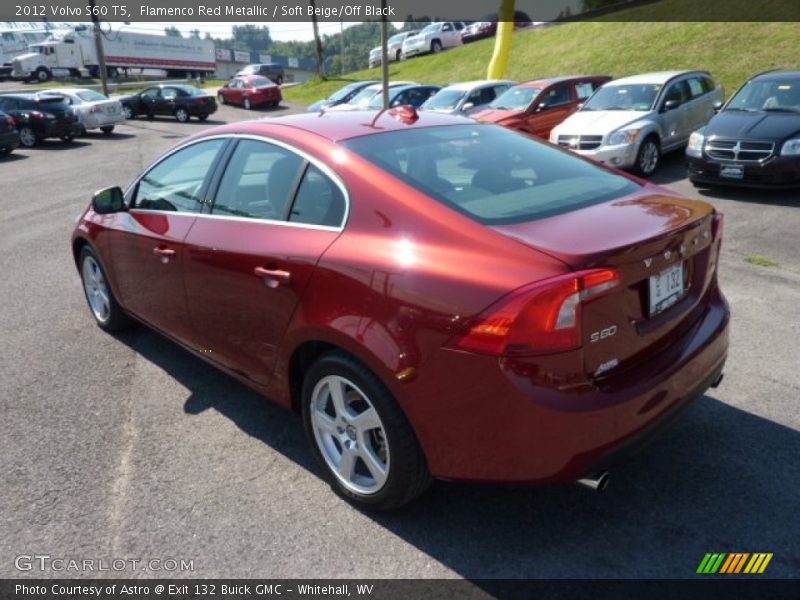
169,93
258,181
447,27
584,89
708,84
176,183
459,25
400,99
696,87
557,96
7,104
150,93
677,91
319,201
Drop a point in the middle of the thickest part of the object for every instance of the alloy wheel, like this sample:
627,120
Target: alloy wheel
350,435
27,137
648,159
94,284
182,115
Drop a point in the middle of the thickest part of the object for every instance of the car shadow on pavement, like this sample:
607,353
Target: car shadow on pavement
671,169
99,135
720,480
58,145
14,156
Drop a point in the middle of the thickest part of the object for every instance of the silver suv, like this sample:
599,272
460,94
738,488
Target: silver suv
629,123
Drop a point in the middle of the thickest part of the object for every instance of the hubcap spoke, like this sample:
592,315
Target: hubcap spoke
366,420
374,465
336,388
324,422
347,464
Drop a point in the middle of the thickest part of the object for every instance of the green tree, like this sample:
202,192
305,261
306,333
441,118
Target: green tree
172,31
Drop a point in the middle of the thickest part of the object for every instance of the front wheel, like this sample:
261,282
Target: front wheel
105,309
107,129
202,117
648,156
221,98
436,46
67,138
182,115
247,105
360,436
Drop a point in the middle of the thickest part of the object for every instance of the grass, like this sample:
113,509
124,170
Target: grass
731,51
761,261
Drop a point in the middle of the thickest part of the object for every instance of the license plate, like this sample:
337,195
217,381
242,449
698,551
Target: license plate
666,288
731,171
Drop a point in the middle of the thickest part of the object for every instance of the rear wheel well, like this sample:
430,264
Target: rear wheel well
302,358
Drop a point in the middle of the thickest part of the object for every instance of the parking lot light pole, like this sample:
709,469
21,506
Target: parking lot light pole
98,44
385,56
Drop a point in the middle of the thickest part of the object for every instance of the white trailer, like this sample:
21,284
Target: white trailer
73,51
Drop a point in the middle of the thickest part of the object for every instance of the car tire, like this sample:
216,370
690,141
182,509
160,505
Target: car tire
6,151
107,129
182,115
28,137
67,139
221,98
398,56
279,80
648,156
246,104
105,309
436,46
128,112
384,466
202,117
83,131
43,75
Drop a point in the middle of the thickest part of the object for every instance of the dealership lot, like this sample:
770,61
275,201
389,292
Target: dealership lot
129,447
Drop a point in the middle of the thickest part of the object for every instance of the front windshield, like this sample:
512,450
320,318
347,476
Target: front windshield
516,98
639,97
363,97
396,39
444,100
525,180
260,82
434,27
773,95
341,94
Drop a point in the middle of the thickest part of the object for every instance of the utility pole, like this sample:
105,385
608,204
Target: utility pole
385,55
98,44
341,37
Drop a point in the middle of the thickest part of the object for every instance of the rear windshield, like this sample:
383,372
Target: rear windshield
491,174
90,96
260,81
193,91
444,100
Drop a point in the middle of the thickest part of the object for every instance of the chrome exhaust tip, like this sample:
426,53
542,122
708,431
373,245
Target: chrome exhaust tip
596,482
718,380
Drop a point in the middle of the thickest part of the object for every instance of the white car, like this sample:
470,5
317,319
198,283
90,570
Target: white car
362,99
467,97
394,48
434,38
94,110
629,123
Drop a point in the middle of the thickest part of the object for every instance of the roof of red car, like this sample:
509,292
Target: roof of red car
343,125
554,80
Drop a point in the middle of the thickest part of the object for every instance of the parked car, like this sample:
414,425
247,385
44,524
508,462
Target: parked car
94,110
181,101
467,97
250,91
394,48
630,122
433,38
535,107
487,27
755,139
423,290
410,95
39,116
272,71
9,135
341,96
362,99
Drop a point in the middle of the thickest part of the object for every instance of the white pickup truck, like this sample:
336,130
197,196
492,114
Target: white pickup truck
434,38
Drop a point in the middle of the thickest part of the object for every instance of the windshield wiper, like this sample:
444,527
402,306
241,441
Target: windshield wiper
781,109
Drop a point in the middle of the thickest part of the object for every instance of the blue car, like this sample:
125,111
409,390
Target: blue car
415,95
340,96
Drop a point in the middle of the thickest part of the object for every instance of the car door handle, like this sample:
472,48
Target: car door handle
160,251
276,274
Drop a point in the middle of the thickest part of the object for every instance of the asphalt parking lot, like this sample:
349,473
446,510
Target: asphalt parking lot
128,447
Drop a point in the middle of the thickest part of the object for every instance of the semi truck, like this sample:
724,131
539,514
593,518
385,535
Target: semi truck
73,52
14,42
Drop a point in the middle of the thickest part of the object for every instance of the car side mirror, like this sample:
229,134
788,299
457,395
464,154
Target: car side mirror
108,200
468,106
671,105
718,106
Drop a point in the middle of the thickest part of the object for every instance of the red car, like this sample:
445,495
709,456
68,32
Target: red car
428,312
535,107
250,91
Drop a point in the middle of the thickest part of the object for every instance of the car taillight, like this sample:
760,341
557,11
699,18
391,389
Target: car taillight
200,101
539,318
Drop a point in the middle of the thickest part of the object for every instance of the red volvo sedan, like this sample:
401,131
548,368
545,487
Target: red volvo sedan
428,312
250,91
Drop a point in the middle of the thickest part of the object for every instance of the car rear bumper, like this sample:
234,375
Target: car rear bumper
9,139
95,120
781,171
52,130
201,109
519,421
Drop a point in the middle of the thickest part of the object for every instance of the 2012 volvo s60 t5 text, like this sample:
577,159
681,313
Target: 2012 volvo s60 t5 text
429,312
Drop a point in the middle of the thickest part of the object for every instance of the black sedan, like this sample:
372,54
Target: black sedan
40,116
181,101
9,136
755,139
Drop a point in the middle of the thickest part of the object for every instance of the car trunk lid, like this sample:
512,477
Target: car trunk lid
653,240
